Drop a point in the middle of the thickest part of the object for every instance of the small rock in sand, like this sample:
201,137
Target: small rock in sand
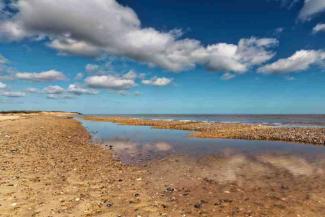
198,205
170,189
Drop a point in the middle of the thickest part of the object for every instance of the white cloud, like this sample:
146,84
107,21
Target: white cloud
3,60
299,61
130,75
51,75
13,94
227,76
6,71
32,90
311,8
59,96
79,90
156,81
290,78
102,68
12,31
254,51
2,85
92,68
288,3
279,30
2,5
70,46
53,96
106,26
79,76
54,90
110,82
3,13
57,92
320,27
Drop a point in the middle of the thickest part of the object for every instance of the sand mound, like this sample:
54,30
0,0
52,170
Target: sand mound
8,117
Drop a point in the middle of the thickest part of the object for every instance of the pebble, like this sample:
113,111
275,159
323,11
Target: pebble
198,205
170,189
109,204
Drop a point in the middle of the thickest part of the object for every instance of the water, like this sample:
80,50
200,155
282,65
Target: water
274,120
133,144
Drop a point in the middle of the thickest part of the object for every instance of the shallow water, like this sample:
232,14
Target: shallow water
134,144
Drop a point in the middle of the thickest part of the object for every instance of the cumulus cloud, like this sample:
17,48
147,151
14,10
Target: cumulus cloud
54,90
59,96
104,67
58,92
320,27
311,8
32,90
2,85
299,61
105,26
156,81
112,82
79,90
51,75
70,46
13,94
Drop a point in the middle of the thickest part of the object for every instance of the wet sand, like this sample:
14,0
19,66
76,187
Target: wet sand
50,168
227,130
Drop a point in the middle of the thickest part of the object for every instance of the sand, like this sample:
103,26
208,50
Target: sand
48,167
8,117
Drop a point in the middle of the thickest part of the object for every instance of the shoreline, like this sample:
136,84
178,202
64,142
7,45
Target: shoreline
49,167
315,136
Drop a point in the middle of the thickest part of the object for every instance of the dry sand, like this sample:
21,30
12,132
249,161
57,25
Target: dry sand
49,168
8,117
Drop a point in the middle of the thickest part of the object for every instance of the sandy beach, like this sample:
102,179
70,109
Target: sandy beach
227,130
49,167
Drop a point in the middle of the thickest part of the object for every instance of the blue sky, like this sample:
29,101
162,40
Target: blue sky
187,56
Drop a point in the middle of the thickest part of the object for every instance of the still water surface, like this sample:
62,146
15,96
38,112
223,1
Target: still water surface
135,144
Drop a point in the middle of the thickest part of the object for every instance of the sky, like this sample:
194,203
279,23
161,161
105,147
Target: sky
163,56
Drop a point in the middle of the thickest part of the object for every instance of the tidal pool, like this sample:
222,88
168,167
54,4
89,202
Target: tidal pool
136,144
